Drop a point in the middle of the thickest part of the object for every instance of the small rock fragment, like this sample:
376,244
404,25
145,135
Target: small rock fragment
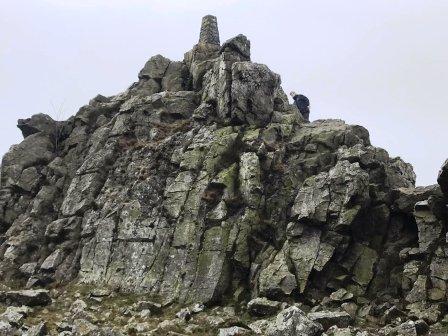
328,319
263,307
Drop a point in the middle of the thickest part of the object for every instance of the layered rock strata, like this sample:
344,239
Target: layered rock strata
202,184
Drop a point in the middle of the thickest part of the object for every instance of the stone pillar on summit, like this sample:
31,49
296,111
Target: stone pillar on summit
209,30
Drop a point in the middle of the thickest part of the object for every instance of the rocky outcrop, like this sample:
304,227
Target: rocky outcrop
201,184
443,178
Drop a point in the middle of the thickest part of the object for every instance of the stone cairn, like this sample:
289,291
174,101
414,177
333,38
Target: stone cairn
209,30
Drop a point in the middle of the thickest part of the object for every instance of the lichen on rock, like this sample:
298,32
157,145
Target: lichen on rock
201,184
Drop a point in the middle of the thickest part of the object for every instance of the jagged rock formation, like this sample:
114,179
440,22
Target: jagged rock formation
202,184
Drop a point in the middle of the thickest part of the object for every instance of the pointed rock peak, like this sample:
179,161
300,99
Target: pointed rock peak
239,44
209,30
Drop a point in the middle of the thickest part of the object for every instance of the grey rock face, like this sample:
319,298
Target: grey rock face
202,184
52,261
175,77
34,150
443,178
332,192
252,102
276,280
239,44
155,68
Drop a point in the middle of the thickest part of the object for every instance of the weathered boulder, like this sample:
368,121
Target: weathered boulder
291,322
443,178
331,318
83,327
38,330
38,297
276,280
29,179
155,68
263,307
82,193
331,193
341,295
405,329
239,44
154,307
406,198
418,291
52,261
175,77
38,123
33,150
233,331
429,226
252,93
28,268
15,316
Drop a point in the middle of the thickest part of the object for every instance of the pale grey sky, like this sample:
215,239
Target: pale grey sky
382,64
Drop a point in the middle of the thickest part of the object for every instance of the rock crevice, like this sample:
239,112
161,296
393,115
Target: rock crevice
201,183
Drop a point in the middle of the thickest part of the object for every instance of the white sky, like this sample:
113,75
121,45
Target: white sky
382,64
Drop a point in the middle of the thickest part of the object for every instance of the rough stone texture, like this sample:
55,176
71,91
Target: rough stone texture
209,30
263,307
252,101
52,261
328,319
38,123
202,184
443,178
239,44
31,298
233,331
14,315
38,330
341,295
276,280
155,68
292,322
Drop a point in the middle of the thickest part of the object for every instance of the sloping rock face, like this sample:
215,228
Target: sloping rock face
201,183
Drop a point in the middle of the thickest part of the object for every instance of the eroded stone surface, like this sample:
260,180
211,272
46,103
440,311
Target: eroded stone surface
202,184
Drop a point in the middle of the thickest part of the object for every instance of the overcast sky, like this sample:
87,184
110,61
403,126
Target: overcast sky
382,64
